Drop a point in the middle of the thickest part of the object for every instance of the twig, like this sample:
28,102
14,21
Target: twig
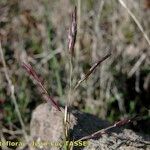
11,88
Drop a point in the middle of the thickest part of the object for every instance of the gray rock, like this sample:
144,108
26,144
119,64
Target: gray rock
47,130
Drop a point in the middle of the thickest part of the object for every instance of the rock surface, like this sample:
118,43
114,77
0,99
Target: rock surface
47,130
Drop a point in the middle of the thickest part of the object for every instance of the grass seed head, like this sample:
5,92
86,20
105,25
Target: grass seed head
72,32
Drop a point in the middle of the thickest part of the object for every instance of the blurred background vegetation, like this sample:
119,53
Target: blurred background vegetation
35,31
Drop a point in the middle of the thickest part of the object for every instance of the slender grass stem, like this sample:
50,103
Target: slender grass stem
135,20
13,98
70,80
